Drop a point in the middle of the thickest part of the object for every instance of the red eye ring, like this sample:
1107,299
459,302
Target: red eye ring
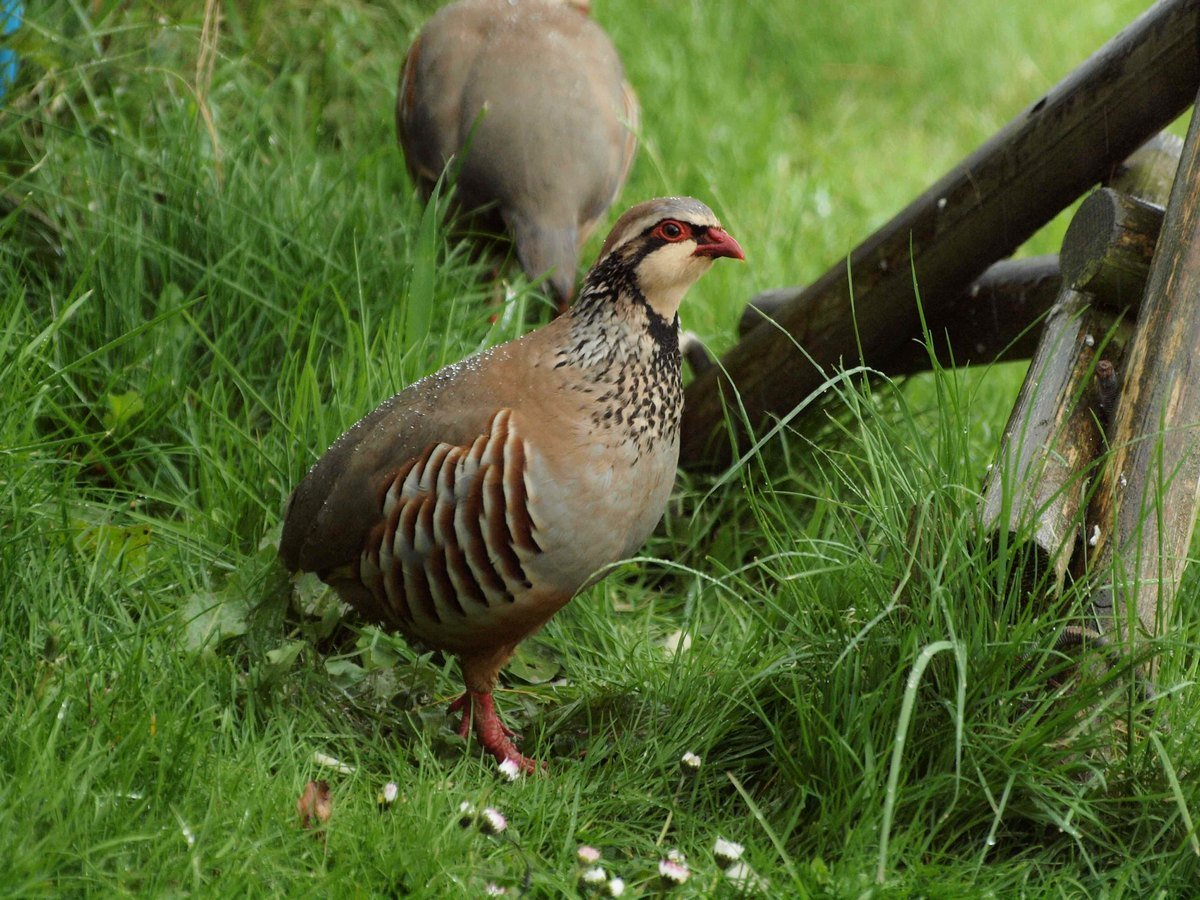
672,231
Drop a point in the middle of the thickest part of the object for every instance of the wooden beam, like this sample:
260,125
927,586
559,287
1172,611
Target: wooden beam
1145,506
997,318
978,213
1150,172
992,312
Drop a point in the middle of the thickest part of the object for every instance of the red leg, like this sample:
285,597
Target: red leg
480,709
459,705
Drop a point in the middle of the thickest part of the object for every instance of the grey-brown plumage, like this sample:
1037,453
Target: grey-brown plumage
470,507
532,97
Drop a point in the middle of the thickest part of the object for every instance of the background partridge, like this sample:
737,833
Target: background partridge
531,96
470,507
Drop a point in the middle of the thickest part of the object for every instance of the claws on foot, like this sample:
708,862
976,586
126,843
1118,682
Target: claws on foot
496,737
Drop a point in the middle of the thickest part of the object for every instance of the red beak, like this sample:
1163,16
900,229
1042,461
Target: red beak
717,242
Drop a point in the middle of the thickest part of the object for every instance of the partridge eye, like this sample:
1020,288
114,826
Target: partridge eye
672,231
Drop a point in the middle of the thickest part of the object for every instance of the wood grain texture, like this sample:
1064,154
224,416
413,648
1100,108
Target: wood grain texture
1146,502
1108,247
976,214
1037,490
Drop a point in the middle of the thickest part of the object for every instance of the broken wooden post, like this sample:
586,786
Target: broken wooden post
1109,245
1144,509
976,214
1037,489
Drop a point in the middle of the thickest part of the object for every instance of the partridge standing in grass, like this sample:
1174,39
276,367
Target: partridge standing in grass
469,508
531,95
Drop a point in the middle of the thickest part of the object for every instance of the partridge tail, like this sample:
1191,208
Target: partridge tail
544,249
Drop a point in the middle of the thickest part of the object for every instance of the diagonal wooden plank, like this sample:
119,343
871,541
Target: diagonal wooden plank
977,213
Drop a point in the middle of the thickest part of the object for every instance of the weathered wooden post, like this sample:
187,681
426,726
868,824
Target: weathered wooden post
1144,509
976,214
1109,245
1037,489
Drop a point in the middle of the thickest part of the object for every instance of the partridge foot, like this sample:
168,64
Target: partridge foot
493,734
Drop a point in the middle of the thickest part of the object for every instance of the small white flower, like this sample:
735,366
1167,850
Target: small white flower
466,814
727,852
588,855
1095,538
745,879
616,887
690,763
677,642
492,821
673,872
676,856
594,875
186,831
390,792
510,769
322,759
494,890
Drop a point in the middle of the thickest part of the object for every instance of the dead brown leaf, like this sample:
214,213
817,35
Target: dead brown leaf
315,805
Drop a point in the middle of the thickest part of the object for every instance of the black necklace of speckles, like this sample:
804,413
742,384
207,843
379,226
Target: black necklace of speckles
641,392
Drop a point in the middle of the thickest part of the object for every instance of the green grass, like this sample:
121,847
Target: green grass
235,268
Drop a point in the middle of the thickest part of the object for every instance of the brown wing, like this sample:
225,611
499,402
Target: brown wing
340,500
446,562
430,91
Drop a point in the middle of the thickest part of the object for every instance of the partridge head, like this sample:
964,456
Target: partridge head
530,96
470,507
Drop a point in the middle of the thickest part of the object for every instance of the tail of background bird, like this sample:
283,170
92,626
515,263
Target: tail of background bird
554,250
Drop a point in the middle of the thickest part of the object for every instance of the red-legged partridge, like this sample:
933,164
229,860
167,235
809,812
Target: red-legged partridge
470,507
531,94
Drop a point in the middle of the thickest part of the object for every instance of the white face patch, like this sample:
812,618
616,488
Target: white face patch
645,216
666,274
